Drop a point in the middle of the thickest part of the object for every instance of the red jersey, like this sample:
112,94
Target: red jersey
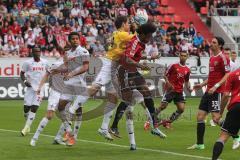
177,75
232,86
134,50
219,65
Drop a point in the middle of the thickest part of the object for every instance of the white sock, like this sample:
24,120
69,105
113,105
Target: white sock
67,126
40,128
130,130
60,132
30,119
148,116
26,115
77,125
108,111
78,102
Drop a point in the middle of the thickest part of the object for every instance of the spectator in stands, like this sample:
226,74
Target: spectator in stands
30,39
198,40
112,13
185,46
9,37
122,11
205,49
172,32
101,37
151,49
98,49
191,30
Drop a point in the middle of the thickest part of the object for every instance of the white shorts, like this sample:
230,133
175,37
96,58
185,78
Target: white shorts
137,96
104,76
31,98
53,100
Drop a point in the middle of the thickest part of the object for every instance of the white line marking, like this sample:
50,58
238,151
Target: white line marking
123,146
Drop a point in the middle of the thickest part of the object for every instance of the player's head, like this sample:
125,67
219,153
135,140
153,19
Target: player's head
74,39
227,52
121,22
145,32
183,56
233,56
36,53
217,44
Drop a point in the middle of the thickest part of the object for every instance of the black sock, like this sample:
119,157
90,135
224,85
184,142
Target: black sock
26,109
119,113
235,136
150,106
175,115
217,150
200,132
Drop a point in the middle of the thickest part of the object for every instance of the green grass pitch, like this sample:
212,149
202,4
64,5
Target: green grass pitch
91,146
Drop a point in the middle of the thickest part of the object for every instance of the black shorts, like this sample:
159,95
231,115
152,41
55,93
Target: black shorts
232,121
210,102
125,82
176,97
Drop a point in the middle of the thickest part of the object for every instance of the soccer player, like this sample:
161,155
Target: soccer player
52,73
126,78
231,124
175,77
75,83
219,68
32,72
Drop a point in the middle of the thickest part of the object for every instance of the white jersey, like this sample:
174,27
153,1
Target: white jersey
76,58
34,71
233,65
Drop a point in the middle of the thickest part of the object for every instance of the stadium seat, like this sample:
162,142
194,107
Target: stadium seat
159,18
161,10
164,3
177,19
203,10
170,10
167,19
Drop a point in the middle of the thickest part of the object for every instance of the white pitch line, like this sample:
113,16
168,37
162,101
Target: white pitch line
123,146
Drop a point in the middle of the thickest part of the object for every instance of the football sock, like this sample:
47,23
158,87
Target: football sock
217,149
130,130
60,132
150,106
40,128
108,111
77,125
119,113
30,118
200,132
175,115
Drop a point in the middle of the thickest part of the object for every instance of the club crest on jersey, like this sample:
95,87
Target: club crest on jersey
215,63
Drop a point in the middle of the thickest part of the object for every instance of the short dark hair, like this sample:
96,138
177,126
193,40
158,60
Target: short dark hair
120,21
221,41
36,49
147,28
227,49
73,34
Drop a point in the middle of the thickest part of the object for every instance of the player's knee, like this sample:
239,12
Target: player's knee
49,115
201,116
129,112
62,105
34,108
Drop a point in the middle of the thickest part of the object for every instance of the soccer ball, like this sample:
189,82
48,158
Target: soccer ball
141,18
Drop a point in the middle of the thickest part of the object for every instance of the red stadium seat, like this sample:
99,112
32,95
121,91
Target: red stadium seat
167,19
164,3
177,19
204,10
159,18
170,10
161,10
